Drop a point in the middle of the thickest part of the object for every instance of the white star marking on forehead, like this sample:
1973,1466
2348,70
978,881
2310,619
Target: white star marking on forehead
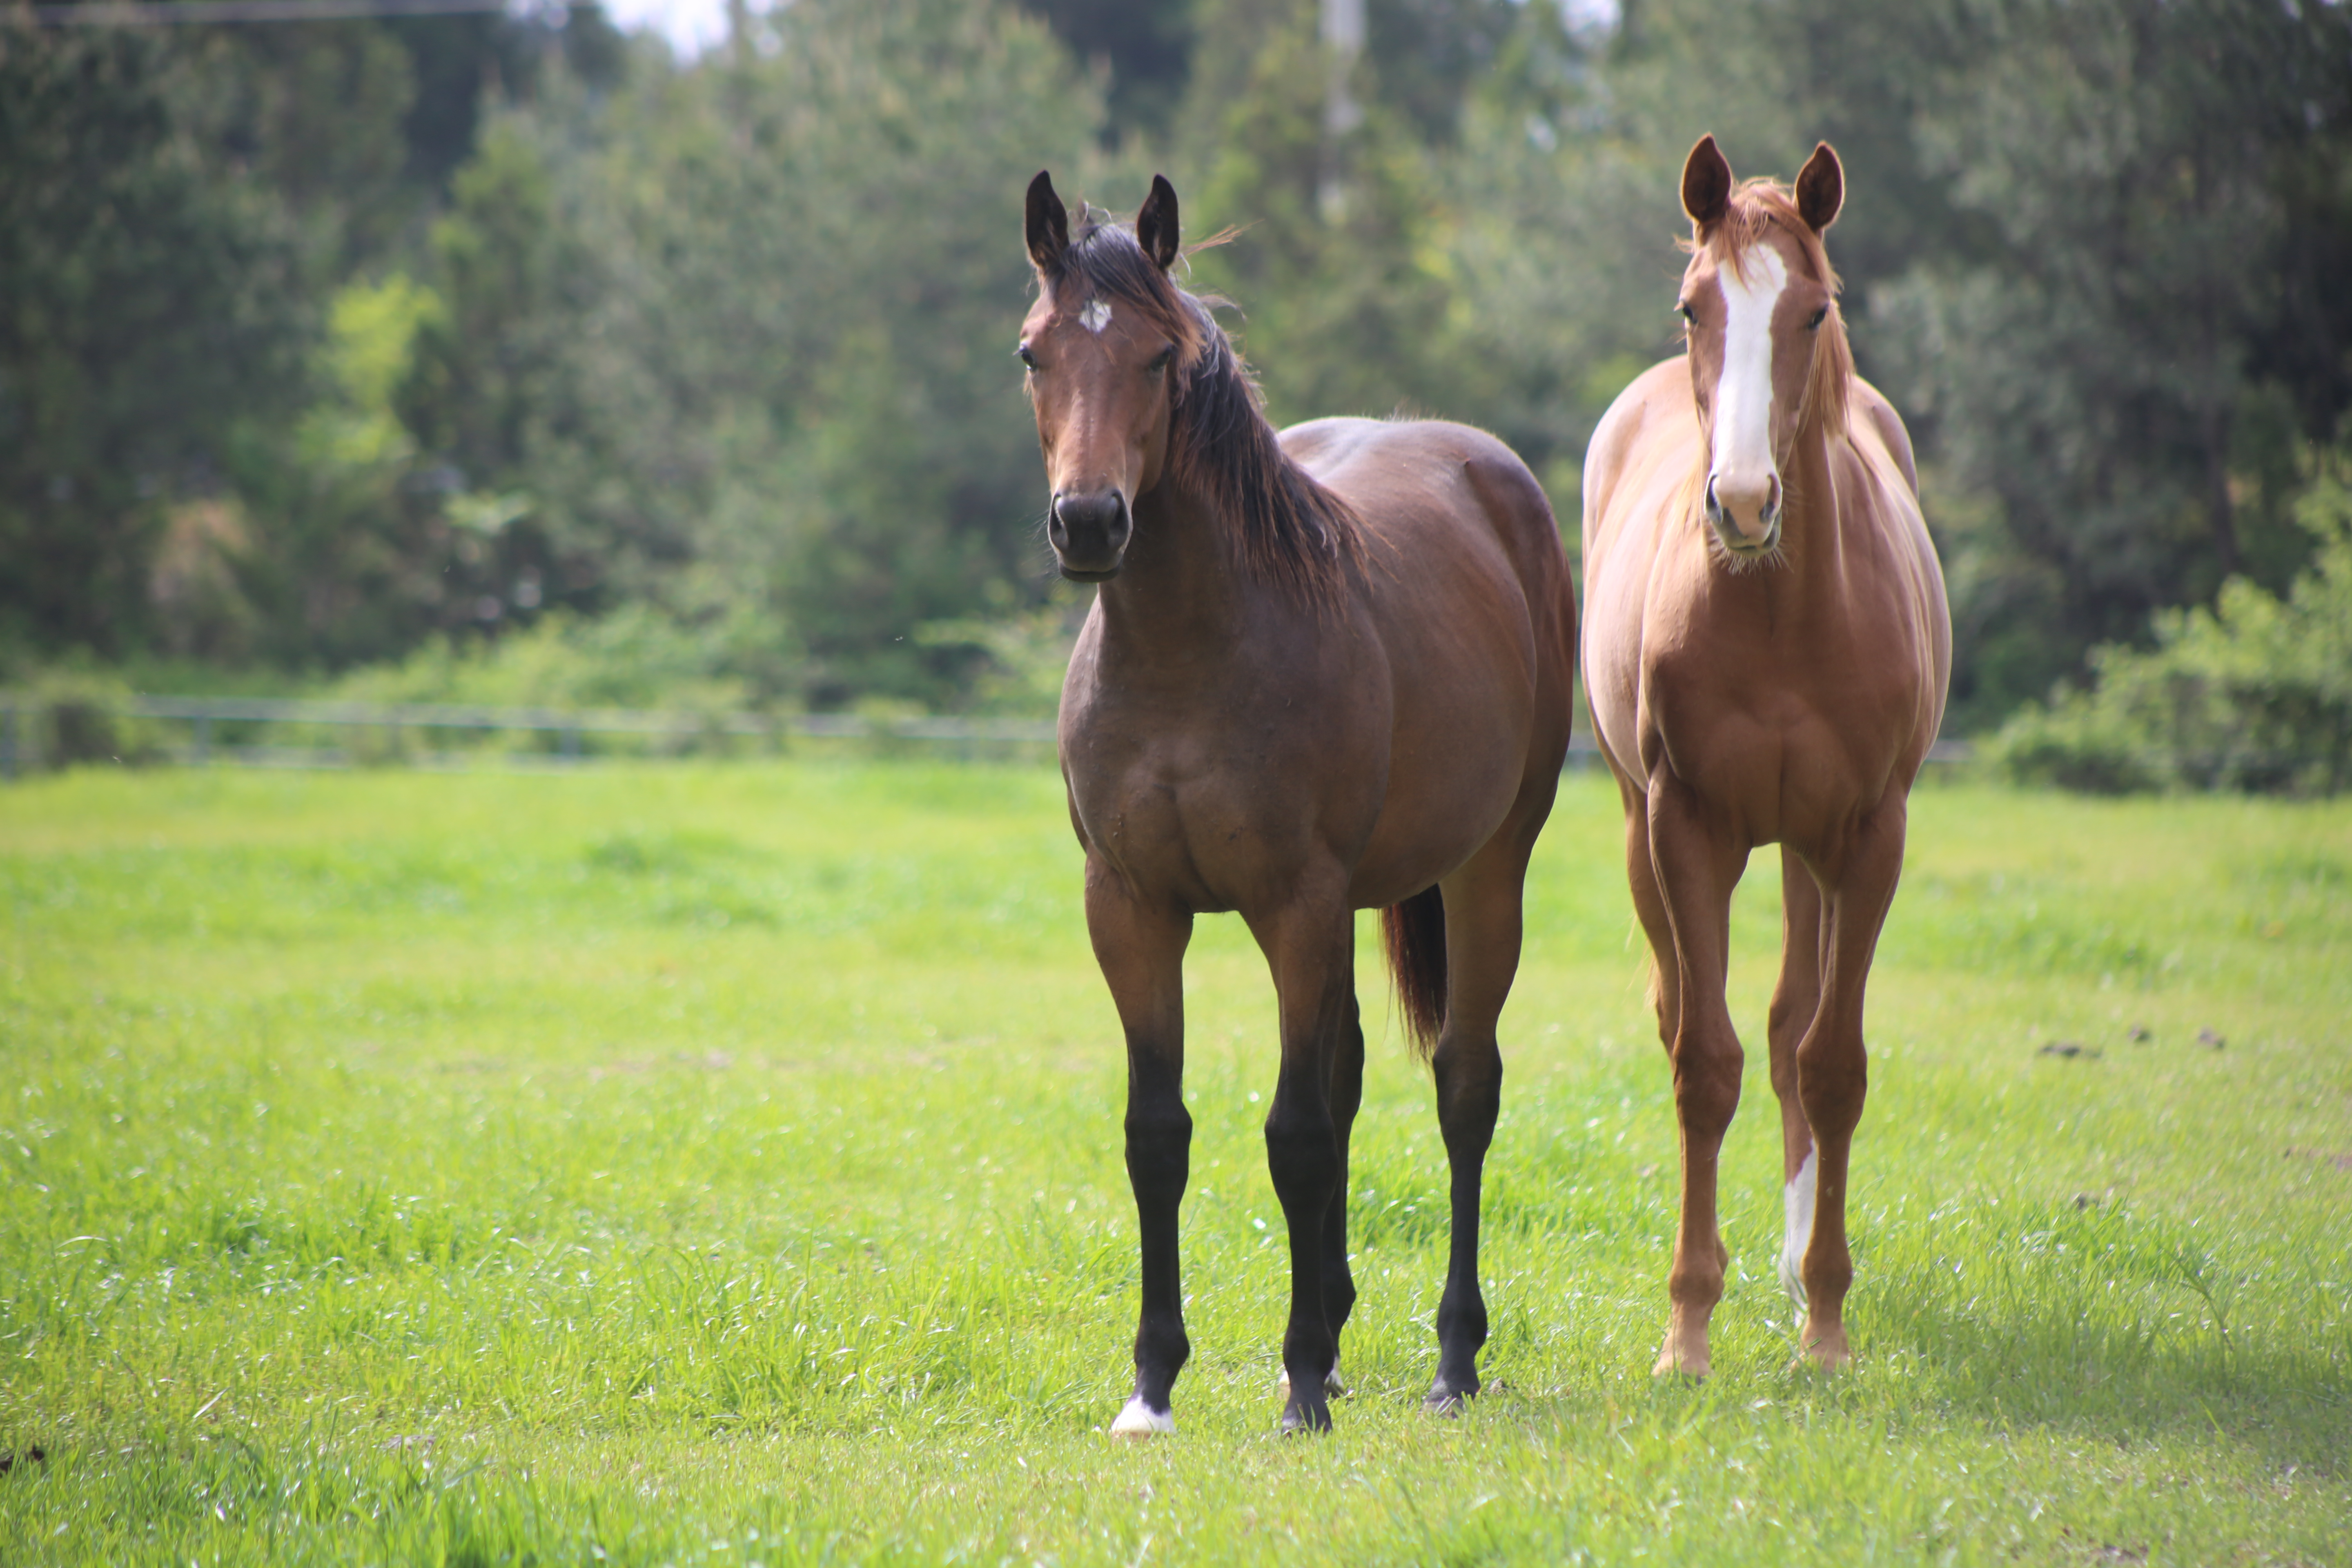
1096,316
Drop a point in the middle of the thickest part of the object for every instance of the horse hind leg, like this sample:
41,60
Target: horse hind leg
1665,987
1338,1278
1795,1001
1483,924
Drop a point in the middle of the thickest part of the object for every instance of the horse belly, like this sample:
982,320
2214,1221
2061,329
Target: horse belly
1463,743
1448,792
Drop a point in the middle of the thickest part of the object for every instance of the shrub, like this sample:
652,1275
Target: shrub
2255,694
65,717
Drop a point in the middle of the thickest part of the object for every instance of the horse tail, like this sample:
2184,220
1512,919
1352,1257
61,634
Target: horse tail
1414,932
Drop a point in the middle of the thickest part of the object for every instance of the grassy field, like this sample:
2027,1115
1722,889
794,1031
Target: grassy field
721,1165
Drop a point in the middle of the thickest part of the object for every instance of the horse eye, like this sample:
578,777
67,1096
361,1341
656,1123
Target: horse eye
1026,357
1162,361
1689,316
1819,317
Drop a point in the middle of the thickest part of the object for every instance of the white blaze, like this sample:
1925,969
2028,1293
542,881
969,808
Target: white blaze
1797,1212
1096,316
1743,397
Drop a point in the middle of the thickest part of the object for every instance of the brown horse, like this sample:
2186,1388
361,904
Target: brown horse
1767,646
1325,670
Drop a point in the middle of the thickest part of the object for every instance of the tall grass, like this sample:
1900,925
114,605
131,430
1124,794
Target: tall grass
723,1165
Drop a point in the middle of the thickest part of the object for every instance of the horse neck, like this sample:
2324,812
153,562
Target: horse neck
1812,532
1178,592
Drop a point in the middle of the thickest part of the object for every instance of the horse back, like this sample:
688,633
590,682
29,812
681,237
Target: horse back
1467,589
1460,536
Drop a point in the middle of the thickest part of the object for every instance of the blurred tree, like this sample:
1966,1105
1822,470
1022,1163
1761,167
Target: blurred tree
1145,47
461,62
2124,367
788,402
1338,269
149,305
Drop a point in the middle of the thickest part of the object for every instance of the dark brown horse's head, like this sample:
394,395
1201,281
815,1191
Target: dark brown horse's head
1768,350
1105,346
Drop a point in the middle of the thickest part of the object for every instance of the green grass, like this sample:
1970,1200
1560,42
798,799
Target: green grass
722,1165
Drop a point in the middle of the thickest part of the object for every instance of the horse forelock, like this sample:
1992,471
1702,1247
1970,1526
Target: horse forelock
1757,208
1282,525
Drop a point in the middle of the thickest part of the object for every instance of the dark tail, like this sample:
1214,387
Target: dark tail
1414,934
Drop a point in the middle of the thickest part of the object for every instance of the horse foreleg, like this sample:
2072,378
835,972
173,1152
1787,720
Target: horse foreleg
1141,951
1795,1000
1650,908
1697,866
1347,1098
1832,1068
1310,949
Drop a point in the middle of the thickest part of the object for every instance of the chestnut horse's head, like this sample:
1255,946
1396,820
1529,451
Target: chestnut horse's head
1108,346
1768,350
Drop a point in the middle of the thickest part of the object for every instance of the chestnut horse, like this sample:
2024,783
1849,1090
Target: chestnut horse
1767,646
1326,669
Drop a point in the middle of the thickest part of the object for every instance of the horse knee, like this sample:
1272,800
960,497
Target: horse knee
1832,1084
1469,1095
1788,1015
1302,1155
1159,1152
1707,1090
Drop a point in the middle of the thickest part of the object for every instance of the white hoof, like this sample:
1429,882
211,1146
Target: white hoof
1332,1386
1138,1421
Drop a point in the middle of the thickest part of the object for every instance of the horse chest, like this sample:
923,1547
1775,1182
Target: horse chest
1213,815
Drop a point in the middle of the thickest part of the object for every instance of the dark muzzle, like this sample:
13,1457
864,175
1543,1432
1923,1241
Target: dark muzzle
1090,534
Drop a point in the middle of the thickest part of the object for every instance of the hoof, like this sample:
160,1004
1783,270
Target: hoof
1332,1386
1138,1422
1671,1365
1448,1395
1303,1416
1825,1351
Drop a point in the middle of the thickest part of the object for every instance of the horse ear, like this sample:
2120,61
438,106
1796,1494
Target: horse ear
1155,224
1821,188
1706,182
1048,225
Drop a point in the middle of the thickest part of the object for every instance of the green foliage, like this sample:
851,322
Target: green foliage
634,657
717,1165
2255,694
790,407
2097,355
1339,270
67,717
723,337
146,313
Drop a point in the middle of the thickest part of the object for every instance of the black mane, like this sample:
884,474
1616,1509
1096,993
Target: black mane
1284,527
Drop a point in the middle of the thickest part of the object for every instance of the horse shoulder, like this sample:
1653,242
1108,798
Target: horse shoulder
1900,596
1660,395
1882,420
